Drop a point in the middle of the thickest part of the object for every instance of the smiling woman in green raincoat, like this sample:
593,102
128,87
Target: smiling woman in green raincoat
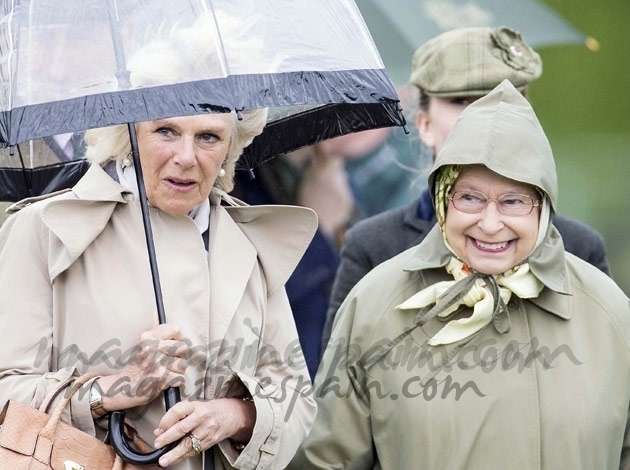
487,345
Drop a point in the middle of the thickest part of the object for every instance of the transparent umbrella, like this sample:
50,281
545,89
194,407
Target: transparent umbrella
63,68
68,66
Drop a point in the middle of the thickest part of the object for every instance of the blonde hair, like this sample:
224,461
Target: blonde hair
184,55
107,144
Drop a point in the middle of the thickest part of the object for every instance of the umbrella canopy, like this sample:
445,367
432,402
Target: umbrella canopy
41,166
399,27
66,66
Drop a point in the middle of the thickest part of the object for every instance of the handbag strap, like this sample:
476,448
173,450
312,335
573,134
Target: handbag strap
52,394
49,430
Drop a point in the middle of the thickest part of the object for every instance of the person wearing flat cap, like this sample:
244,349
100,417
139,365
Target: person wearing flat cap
487,345
451,71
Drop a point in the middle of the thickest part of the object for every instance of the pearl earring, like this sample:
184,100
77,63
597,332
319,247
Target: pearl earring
221,172
126,161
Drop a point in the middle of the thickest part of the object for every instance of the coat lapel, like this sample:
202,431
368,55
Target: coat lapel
78,217
231,260
280,234
241,236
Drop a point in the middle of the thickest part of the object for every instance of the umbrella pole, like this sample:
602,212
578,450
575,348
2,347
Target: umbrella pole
171,395
146,222
27,180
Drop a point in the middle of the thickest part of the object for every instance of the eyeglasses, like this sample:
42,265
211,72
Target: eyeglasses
474,202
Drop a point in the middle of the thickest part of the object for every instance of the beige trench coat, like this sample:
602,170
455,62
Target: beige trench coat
76,293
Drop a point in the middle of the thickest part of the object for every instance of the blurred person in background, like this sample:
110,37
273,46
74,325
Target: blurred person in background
313,177
386,167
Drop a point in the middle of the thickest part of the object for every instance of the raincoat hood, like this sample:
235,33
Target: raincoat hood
501,131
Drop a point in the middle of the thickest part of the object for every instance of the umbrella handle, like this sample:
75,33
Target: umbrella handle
171,395
123,448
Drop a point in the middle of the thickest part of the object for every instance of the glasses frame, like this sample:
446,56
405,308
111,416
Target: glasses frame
450,196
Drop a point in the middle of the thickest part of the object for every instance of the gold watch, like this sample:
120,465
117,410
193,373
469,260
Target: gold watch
95,398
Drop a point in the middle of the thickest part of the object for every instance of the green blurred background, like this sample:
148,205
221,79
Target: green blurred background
583,103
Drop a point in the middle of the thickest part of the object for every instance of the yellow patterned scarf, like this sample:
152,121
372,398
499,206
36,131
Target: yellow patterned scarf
482,293
486,294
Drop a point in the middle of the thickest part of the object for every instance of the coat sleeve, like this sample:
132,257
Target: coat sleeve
341,436
27,371
624,463
282,393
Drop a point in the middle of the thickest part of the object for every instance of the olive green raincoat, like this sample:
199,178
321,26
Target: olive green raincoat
551,393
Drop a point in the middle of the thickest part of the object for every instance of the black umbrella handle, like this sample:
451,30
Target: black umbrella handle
171,395
123,448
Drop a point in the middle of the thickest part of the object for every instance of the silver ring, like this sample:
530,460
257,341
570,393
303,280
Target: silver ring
195,443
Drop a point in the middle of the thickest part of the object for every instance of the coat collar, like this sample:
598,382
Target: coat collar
418,226
274,236
92,199
547,263
278,235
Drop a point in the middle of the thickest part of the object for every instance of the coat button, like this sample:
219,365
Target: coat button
513,304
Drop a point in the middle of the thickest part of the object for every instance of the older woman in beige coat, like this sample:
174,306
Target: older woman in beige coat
77,297
486,346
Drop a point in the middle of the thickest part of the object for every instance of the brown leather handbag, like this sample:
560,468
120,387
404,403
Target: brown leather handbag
32,439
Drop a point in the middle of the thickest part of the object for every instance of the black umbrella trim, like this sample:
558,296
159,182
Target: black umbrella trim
316,125
19,183
235,92
366,104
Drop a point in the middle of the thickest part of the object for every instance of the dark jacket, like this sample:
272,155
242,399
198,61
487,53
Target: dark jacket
309,287
383,236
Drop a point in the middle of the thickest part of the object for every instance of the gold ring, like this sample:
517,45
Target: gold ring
195,443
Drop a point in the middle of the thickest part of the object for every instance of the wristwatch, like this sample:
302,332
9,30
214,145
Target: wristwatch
95,398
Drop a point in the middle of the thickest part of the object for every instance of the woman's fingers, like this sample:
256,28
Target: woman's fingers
163,331
201,419
189,446
173,348
177,421
158,362
177,365
208,421
160,347
181,423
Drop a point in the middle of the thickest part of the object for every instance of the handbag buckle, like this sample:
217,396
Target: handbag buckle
70,465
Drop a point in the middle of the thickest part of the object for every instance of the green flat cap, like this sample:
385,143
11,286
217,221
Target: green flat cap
473,61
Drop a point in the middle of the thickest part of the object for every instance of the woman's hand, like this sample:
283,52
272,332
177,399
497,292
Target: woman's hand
158,362
208,421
